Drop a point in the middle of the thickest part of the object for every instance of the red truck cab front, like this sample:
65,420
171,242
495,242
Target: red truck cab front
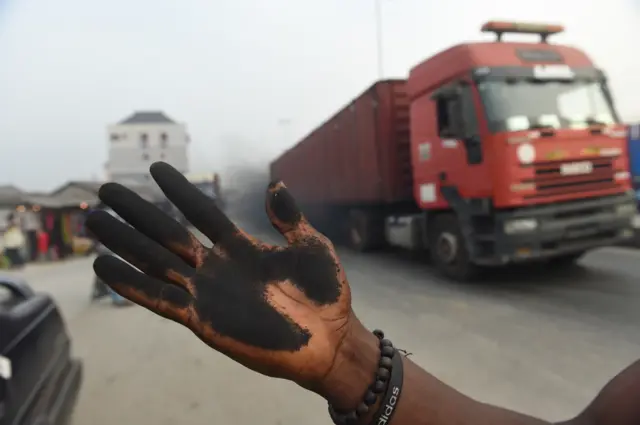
521,145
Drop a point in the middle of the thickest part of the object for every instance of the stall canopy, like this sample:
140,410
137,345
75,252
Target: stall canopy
80,192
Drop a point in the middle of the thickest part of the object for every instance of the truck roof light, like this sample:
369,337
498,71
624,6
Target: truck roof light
501,27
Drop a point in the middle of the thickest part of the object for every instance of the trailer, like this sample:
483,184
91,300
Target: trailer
488,154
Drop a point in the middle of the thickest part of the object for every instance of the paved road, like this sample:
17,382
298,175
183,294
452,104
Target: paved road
537,343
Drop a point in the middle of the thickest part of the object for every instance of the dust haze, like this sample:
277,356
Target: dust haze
269,73
244,194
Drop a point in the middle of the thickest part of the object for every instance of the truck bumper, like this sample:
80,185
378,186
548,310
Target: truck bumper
563,228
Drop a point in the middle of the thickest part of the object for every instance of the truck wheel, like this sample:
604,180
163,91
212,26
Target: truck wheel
365,233
448,250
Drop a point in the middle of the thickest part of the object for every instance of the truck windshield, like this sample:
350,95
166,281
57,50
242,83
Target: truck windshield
525,104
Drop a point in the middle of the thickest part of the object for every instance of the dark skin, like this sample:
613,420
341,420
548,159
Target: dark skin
284,311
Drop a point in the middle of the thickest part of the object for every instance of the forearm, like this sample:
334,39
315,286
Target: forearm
424,399
617,403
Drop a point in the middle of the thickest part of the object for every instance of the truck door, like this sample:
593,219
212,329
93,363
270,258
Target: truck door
462,152
457,121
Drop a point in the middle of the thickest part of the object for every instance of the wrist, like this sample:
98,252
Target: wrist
354,368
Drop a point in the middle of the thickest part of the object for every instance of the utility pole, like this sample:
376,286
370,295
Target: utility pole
378,4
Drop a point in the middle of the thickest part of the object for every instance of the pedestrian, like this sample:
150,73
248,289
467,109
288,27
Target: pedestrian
100,289
14,242
286,312
43,245
30,221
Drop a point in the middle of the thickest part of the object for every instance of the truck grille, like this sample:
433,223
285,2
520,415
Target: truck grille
549,180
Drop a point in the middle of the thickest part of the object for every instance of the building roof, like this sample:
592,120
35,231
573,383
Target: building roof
13,196
71,194
147,117
88,185
90,189
10,195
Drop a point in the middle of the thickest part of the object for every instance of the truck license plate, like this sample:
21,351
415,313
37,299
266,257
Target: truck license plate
576,168
636,221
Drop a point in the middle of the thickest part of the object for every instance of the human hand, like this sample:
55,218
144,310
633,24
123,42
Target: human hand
281,311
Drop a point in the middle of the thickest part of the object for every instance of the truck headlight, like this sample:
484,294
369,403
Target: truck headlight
521,225
626,209
526,153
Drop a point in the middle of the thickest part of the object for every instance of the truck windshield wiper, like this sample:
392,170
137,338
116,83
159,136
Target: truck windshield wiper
593,122
546,130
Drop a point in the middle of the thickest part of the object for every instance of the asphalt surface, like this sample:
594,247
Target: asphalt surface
538,342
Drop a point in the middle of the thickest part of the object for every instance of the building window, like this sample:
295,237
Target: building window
164,140
114,137
145,156
144,140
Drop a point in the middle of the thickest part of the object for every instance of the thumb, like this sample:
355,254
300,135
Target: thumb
285,215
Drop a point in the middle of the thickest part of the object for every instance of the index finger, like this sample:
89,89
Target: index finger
200,209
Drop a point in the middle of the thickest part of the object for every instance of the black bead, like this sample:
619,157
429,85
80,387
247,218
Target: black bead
362,409
370,397
378,386
337,418
386,343
387,352
383,374
378,333
385,362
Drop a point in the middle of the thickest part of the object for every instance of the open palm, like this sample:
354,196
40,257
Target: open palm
282,311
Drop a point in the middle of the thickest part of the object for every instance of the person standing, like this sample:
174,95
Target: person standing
30,221
43,245
14,242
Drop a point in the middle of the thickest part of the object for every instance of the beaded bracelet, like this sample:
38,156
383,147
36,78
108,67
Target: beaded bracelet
380,382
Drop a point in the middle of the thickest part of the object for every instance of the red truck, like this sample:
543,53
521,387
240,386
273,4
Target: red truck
489,153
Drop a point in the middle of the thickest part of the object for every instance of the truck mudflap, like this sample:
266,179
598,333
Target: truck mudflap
561,229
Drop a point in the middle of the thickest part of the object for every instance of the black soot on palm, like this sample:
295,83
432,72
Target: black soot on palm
232,293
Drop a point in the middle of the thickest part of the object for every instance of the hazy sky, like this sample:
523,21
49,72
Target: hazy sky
232,70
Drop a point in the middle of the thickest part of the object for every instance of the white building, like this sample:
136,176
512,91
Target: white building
142,139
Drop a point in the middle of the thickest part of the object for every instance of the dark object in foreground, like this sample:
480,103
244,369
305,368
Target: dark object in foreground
39,380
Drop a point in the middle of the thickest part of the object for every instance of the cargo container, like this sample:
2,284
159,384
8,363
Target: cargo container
489,153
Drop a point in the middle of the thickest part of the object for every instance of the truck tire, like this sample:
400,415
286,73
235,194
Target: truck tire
448,250
365,231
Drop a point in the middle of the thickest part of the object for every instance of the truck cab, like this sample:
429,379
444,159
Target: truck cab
517,152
